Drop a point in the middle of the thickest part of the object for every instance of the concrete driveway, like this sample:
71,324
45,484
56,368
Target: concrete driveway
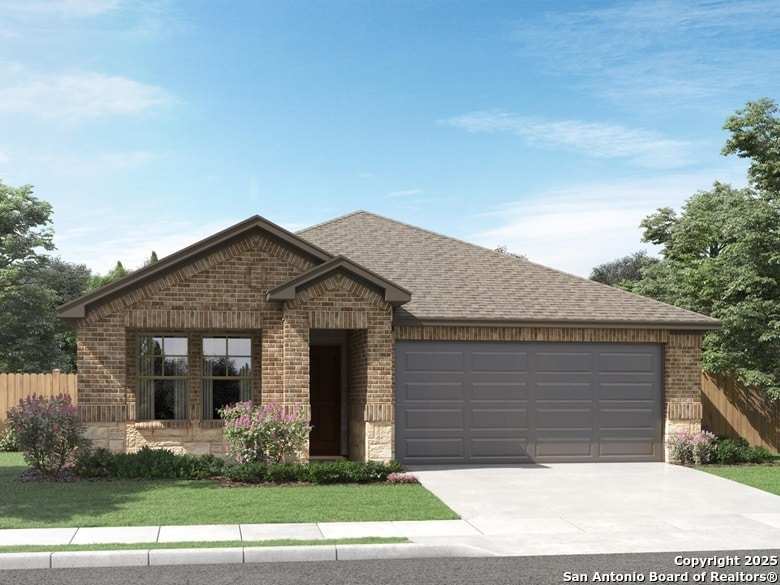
605,508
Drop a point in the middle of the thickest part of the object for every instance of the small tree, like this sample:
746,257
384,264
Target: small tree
264,433
48,431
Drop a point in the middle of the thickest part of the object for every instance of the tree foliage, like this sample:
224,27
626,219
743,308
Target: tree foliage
625,269
755,135
721,257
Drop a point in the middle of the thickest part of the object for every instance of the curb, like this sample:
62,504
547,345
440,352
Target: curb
236,555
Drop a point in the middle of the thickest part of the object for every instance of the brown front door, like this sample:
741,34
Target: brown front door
325,397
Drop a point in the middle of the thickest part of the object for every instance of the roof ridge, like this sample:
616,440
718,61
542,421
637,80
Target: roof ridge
335,219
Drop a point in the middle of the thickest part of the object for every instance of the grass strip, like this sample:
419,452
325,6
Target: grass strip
762,477
213,544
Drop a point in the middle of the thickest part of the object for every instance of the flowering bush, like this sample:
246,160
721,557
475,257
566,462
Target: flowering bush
48,431
687,448
265,432
402,478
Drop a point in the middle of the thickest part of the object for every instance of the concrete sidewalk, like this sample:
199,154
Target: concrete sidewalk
448,530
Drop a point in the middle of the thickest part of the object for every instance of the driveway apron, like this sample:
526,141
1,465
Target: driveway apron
605,508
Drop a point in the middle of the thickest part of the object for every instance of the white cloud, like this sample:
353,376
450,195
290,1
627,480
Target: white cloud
79,96
579,227
642,147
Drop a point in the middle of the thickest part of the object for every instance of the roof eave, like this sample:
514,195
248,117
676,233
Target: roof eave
78,308
693,326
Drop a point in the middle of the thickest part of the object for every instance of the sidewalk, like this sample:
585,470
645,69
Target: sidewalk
449,531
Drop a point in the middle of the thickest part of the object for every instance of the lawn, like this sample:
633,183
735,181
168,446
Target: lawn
153,503
763,477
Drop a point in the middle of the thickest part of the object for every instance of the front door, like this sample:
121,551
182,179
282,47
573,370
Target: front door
325,398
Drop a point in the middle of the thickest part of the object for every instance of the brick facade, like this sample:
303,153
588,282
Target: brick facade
223,292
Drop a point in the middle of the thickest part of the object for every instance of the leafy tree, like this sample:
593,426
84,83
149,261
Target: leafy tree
115,273
755,135
627,268
721,257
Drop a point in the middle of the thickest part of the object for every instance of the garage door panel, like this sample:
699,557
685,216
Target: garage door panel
503,391
434,361
561,392
626,418
431,419
619,448
563,362
569,417
627,362
510,448
499,419
626,391
433,392
564,449
424,449
499,361
557,402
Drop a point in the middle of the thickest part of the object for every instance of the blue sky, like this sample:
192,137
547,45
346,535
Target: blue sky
549,127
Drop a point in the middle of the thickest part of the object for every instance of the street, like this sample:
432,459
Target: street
701,567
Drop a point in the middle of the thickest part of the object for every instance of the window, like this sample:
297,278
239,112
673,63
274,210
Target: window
227,373
162,378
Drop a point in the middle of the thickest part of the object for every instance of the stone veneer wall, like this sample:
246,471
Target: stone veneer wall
682,358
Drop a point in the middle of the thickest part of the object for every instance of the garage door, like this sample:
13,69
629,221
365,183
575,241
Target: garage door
480,402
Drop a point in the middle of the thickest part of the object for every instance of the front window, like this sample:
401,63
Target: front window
163,367
227,373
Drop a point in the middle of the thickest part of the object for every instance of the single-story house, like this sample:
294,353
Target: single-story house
399,343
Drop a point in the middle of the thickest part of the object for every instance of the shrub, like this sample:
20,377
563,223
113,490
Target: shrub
402,478
264,433
8,441
147,464
733,451
49,431
688,448
317,472
98,462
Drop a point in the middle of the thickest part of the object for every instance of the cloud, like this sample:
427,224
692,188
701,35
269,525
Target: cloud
79,96
642,147
578,227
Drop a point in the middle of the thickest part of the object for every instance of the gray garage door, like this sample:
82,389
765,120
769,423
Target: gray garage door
484,402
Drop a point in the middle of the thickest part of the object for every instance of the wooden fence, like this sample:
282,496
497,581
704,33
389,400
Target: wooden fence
728,407
734,410
14,387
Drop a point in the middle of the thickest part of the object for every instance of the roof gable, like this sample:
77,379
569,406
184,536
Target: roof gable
78,308
391,292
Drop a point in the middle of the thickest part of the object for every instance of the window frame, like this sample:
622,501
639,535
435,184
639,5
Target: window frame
147,378
245,381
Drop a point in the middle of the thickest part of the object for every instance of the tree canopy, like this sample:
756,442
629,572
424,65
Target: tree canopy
720,255
628,268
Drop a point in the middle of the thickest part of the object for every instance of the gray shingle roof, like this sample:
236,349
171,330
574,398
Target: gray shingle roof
454,281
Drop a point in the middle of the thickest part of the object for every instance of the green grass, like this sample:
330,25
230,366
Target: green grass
763,477
214,544
175,503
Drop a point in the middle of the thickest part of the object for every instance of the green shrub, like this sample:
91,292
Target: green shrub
98,462
317,472
147,464
49,431
734,451
255,472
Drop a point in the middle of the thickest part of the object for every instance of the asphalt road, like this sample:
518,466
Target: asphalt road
629,568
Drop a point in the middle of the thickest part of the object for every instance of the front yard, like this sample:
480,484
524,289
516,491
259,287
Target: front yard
168,502
763,477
